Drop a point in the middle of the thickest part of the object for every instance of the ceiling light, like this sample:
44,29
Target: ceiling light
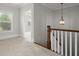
61,22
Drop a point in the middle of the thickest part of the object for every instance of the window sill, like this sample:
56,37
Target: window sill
6,31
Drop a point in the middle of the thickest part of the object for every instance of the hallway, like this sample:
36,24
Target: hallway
20,47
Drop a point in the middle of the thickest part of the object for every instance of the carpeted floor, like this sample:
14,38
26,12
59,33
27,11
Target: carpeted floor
20,47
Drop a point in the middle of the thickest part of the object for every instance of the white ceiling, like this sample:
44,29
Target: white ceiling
18,5
54,6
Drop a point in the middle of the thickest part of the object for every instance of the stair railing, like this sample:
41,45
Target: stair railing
57,37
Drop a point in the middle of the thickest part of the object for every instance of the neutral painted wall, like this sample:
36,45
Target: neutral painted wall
71,17
16,22
42,17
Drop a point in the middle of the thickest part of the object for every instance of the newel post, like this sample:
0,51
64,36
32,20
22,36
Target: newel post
48,37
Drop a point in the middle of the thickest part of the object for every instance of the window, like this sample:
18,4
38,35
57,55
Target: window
5,21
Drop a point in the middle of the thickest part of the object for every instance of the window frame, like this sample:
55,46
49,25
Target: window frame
11,21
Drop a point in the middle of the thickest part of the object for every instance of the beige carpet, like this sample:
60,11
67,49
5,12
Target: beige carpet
20,47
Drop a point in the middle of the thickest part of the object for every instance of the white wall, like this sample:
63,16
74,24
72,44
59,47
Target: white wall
70,17
16,24
42,17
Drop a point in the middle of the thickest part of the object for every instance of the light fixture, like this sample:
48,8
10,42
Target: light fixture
61,22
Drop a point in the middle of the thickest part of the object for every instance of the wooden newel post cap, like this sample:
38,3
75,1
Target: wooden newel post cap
48,26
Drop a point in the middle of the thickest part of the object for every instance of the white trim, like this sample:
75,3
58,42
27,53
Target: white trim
12,17
10,36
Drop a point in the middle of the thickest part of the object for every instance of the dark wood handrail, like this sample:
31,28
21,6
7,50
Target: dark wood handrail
69,30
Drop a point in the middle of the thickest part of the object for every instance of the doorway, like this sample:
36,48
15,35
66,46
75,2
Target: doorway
28,25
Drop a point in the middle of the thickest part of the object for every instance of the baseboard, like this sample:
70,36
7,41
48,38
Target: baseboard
40,44
10,36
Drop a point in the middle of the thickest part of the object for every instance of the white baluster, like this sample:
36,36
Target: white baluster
52,40
61,42
55,40
58,42
70,43
65,43
75,44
